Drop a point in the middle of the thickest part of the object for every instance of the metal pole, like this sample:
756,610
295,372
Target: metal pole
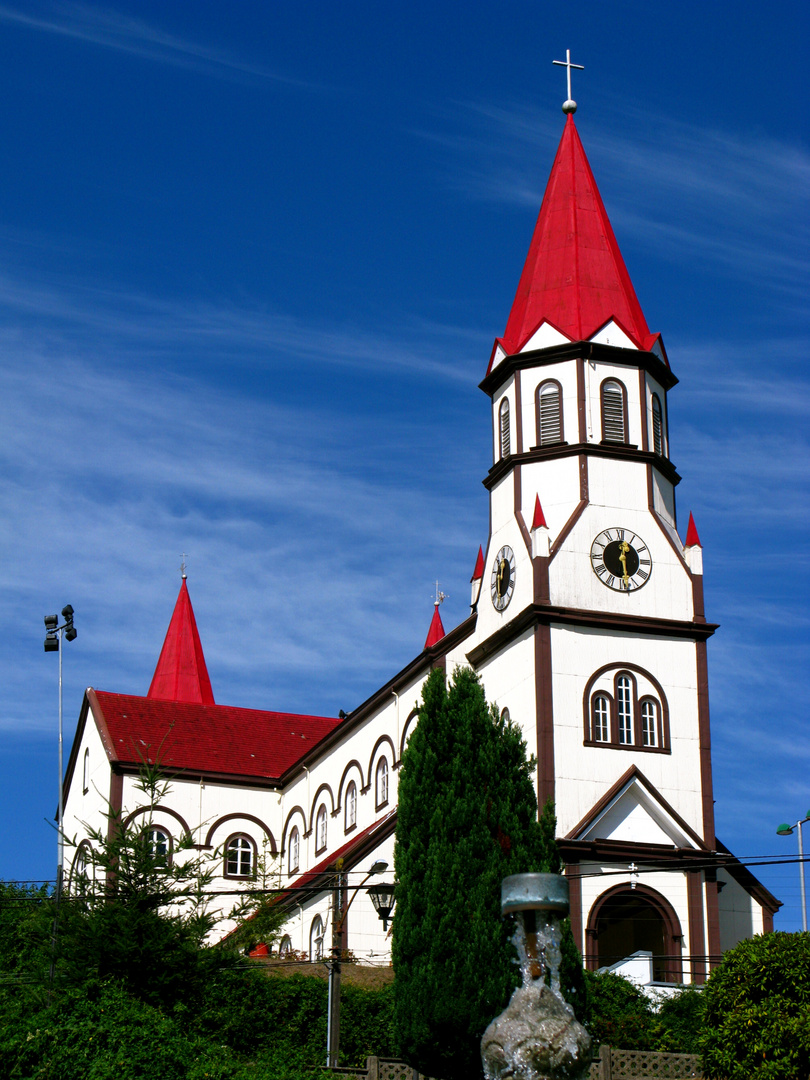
801,876
60,833
333,1017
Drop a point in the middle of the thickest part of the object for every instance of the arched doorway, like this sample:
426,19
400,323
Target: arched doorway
624,921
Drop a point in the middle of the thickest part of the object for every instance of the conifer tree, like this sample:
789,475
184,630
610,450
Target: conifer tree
467,817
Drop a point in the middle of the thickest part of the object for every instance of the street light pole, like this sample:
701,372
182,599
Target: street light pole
54,638
787,830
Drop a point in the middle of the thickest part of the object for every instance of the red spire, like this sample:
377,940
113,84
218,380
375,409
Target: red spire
478,572
692,538
181,674
539,519
436,631
574,277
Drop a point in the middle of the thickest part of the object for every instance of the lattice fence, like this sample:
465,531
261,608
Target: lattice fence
646,1065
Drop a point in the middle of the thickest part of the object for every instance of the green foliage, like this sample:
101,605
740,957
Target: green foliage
619,1014
467,817
757,1024
679,1021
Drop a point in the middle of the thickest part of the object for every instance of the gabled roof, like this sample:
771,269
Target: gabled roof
181,674
208,739
436,631
574,277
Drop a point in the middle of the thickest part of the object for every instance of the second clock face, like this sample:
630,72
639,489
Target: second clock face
621,559
502,583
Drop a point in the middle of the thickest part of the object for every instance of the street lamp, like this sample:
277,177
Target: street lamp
338,923
787,830
54,633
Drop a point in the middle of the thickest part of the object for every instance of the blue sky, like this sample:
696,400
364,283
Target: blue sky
252,261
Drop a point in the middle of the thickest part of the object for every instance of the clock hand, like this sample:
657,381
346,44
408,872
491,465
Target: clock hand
624,547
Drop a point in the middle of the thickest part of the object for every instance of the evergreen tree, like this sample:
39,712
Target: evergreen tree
467,817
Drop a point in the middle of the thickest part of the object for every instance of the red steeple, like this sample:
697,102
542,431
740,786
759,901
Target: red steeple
539,519
478,572
181,674
436,631
692,538
574,277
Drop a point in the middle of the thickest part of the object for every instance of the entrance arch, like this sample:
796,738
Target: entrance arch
625,920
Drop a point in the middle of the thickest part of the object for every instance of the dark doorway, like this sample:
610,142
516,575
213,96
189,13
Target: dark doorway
629,921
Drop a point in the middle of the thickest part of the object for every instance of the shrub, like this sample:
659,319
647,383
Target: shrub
619,1014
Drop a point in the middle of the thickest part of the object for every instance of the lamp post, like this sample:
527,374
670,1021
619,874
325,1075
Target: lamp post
339,914
54,636
787,830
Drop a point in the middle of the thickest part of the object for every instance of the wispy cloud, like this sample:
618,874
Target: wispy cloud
112,29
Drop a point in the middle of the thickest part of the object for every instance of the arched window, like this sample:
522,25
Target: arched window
79,876
293,852
624,708
649,723
158,844
316,939
505,717
350,819
658,427
381,782
240,857
285,947
628,920
320,830
601,718
549,414
613,418
86,772
504,428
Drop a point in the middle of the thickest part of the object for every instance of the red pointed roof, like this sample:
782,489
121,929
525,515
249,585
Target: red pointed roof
539,519
181,674
205,738
574,276
436,631
692,538
478,572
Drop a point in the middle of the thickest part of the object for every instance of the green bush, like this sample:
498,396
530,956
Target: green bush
679,1021
619,1014
757,1024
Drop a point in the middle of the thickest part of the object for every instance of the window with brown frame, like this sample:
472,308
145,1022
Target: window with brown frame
614,419
624,719
657,426
549,413
381,782
350,818
505,438
293,851
240,857
320,830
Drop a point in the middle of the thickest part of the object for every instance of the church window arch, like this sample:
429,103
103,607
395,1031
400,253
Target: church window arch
158,844
240,857
293,851
614,412
86,772
285,947
649,721
548,407
316,939
504,428
350,819
381,783
600,718
79,880
320,830
626,920
657,426
625,708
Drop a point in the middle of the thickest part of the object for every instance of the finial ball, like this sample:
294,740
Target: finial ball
569,106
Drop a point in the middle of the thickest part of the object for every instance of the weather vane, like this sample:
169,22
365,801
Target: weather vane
183,566
440,596
569,105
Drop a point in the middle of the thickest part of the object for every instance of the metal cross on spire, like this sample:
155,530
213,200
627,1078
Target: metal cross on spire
569,105
183,566
440,596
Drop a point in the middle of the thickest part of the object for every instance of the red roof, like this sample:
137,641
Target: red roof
206,738
181,674
539,519
436,631
574,277
692,538
478,572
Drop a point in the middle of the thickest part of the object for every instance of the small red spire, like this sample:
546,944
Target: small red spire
692,538
436,631
478,572
181,674
574,277
539,519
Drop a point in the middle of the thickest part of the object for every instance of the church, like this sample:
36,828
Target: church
586,624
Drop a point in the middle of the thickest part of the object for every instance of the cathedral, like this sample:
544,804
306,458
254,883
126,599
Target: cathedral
586,624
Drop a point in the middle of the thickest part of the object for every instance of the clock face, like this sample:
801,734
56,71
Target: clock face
621,559
502,582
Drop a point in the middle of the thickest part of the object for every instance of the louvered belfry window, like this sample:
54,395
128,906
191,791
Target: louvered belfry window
504,424
658,429
613,419
549,414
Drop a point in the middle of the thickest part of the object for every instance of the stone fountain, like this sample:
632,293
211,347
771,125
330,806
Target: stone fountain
537,1036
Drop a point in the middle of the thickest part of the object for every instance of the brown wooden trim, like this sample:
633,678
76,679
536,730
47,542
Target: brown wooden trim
542,587
382,739
575,904
614,450
242,817
115,800
673,936
518,414
412,715
158,809
627,668
582,403
584,481
713,917
697,598
634,773
642,388
577,350
545,615
544,704
697,936
290,814
705,742
324,787
568,526
654,856
353,764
